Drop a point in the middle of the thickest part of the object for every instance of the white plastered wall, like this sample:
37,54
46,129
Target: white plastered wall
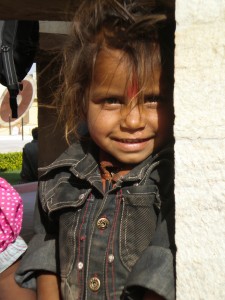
199,99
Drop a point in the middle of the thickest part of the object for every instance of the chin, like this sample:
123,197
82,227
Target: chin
132,161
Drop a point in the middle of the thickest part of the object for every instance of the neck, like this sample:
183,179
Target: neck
110,168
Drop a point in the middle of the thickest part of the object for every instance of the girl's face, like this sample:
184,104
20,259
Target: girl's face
117,122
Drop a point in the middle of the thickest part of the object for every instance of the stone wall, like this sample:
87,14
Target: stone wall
200,149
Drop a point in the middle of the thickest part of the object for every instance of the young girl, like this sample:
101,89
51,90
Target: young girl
104,217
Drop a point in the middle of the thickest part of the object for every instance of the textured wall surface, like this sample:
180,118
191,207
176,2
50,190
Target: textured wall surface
200,149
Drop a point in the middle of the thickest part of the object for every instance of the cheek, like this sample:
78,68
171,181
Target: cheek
166,120
94,119
161,120
97,124
152,118
102,119
92,116
92,129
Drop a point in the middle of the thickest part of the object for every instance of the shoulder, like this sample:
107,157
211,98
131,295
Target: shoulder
30,146
68,158
58,171
58,185
8,191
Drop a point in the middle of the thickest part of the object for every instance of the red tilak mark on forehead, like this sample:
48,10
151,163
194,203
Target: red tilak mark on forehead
132,89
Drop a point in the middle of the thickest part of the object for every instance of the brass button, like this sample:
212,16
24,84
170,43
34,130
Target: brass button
94,284
102,223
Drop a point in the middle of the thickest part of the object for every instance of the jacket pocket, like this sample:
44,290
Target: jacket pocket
64,193
138,223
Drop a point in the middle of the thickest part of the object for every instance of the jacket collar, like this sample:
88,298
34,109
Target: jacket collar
81,160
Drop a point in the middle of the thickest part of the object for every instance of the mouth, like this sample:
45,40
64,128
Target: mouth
132,141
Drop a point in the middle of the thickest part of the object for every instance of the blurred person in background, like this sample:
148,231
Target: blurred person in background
29,170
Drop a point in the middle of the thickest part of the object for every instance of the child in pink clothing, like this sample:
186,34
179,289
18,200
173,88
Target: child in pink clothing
12,246
11,214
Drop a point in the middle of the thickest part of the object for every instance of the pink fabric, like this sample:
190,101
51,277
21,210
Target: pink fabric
11,214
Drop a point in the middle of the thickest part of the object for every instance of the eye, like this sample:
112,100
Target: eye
152,101
108,102
111,103
111,100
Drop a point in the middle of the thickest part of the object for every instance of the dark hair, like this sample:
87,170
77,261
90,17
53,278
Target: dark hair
34,133
142,29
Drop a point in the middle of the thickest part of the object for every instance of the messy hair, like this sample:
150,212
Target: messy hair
137,27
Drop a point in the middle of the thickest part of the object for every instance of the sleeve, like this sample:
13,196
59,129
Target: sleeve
11,214
12,253
155,269
41,253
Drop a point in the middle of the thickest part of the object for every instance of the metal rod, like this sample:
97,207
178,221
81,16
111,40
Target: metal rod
10,129
22,130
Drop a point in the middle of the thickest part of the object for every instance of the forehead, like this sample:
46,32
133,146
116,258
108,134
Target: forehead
110,63
114,69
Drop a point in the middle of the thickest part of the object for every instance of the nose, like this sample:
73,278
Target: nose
132,117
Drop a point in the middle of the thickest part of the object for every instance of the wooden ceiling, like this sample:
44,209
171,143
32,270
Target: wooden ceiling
51,10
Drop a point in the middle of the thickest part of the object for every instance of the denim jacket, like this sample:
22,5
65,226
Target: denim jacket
104,245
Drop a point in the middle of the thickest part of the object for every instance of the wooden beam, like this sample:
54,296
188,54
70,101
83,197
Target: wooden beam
51,42
52,10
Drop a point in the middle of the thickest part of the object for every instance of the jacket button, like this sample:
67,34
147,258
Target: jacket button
111,258
80,265
102,223
94,284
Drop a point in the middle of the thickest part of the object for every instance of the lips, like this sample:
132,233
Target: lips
132,141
